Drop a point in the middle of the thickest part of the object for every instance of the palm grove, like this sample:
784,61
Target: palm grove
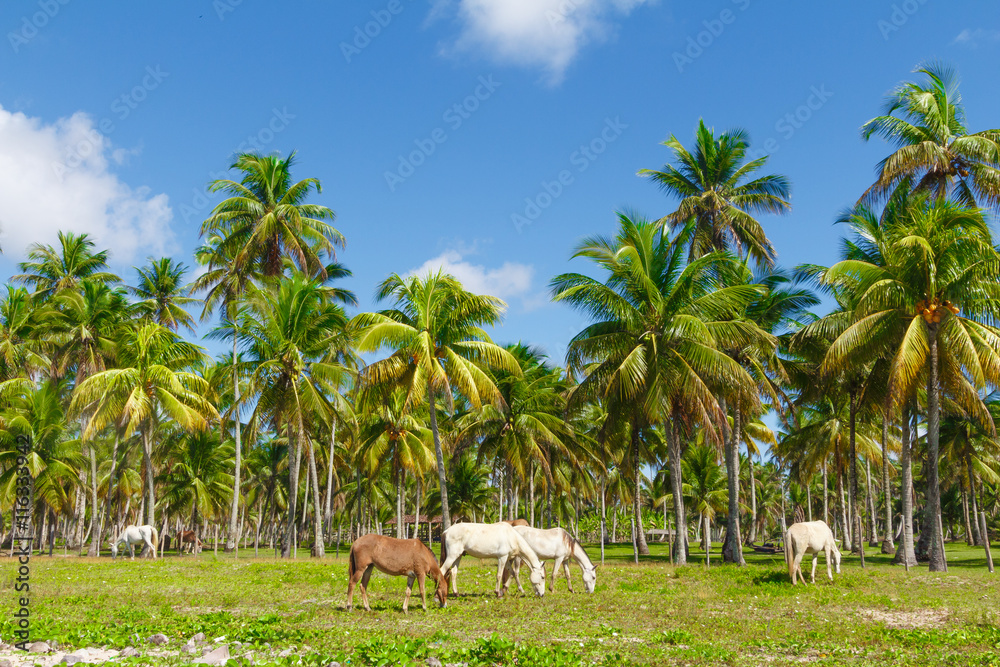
656,419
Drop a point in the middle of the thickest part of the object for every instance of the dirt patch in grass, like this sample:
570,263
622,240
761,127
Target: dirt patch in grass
924,619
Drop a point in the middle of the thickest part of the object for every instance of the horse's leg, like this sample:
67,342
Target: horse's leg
364,585
555,568
409,590
815,560
351,583
423,591
454,575
501,566
569,580
829,566
149,543
797,568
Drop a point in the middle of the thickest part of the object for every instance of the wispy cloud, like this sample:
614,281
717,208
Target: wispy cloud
508,281
975,38
532,33
58,177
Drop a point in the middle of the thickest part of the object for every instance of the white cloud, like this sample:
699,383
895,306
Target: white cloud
545,33
57,177
976,37
510,280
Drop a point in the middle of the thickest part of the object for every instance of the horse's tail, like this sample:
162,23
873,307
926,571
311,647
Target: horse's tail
155,539
352,564
789,556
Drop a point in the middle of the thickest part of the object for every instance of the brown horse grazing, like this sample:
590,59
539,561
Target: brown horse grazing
517,522
410,558
187,540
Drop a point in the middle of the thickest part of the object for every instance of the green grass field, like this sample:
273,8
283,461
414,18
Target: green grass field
650,614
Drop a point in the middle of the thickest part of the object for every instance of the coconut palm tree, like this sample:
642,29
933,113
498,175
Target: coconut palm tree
264,223
266,219
716,191
652,351
25,323
705,488
153,378
438,346
929,308
391,434
288,333
161,293
50,269
86,336
935,153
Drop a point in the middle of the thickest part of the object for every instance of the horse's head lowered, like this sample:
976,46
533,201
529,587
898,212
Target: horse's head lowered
441,594
590,578
537,578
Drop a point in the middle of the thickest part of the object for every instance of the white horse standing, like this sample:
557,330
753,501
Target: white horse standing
488,540
810,537
559,546
133,535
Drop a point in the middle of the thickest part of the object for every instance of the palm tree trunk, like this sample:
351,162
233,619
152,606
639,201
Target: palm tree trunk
416,514
293,487
328,504
855,510
844,510
604,516
106,516
677,489
147,457
969,540
870,502
439,454
809,501
95,537
752,530
531,492
904,552
973,504
641,548
319,548
826,496
400,534
732,550
234,511
938,562
887,546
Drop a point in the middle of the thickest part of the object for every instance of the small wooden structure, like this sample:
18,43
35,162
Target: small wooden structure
422,530
661,533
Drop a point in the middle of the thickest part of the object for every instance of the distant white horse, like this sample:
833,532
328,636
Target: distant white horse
810,537
488,540
558,545
133,535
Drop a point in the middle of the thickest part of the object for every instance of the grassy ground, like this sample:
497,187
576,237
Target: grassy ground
650,614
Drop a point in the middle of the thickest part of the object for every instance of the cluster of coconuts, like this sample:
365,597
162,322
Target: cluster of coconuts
931,310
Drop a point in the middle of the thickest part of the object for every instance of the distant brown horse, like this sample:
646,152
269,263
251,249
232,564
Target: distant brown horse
187,540
517,522
409,558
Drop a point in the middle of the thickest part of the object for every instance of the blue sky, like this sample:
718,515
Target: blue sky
436,126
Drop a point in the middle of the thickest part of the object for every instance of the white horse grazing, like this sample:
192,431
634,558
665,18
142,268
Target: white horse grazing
810,537
488,540
558,545
133,535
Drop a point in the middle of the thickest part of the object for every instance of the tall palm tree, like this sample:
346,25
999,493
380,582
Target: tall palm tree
262,224
86,337
926,123
266,219
161,293
51,269
152,378
705,488
719,191
930,309
439,346
25,325
652,350
288,333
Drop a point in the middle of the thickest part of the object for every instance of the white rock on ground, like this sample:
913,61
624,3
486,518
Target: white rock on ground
217,657
159,639
198,638
129,652
39,647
